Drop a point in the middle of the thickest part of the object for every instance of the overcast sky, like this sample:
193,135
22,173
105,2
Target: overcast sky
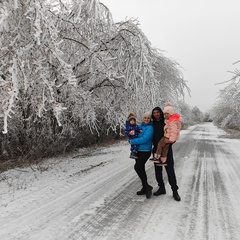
203,36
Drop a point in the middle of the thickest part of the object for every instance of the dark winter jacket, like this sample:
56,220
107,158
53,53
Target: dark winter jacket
129,127
144,139
158,127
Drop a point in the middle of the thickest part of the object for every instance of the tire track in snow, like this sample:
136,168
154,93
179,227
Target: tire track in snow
122,212
121,217
103,204
207,196
72,205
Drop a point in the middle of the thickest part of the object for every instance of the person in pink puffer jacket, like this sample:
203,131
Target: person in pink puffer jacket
171,134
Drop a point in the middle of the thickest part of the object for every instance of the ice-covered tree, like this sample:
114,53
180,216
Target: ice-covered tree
226,111
67,69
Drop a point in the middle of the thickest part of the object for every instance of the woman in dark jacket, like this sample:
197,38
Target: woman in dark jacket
144,140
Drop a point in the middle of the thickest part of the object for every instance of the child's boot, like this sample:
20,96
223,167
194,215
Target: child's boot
134,155
155,159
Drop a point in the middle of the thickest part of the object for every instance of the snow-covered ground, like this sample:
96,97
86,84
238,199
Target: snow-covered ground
92,194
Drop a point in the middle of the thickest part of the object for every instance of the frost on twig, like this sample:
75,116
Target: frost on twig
226,111
13,94
67,64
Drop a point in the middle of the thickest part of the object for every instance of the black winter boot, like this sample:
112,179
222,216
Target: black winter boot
148,191
134,155
142,191
160,191
176,196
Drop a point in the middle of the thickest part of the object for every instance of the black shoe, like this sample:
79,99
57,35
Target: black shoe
155,160
148,191
142,191
160,191
160,163
176,196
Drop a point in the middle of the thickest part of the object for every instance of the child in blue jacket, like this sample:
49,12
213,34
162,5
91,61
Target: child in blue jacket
130,126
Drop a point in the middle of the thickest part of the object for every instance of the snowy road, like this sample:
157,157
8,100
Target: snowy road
92,195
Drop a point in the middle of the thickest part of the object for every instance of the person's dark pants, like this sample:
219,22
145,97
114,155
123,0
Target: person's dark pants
139,166
170,172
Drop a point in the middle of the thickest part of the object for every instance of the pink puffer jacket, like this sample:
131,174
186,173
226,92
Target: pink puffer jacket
172,127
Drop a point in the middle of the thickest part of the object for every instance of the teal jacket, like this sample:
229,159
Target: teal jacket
144,139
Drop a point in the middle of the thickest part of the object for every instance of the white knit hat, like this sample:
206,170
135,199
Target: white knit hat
147,114
168,108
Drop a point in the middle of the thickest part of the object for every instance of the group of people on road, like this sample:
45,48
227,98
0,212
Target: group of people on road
156,135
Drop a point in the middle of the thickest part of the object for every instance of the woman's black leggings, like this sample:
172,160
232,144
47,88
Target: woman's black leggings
139,166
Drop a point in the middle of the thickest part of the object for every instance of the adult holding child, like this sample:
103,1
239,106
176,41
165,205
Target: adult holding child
158,125
144,142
